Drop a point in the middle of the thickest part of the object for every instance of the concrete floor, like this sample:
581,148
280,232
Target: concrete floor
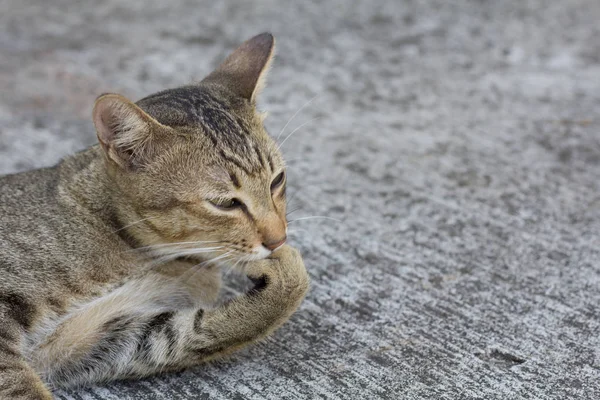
458,142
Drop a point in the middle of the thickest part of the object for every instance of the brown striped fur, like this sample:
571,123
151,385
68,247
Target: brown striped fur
110,261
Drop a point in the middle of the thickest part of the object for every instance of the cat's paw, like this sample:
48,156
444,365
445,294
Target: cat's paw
283,271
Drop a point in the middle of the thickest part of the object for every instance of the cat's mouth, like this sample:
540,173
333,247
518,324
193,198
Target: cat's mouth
259,253
210,253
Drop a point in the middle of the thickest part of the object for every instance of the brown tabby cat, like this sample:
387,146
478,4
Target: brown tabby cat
110,261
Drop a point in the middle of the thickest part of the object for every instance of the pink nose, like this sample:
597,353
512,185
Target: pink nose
272,245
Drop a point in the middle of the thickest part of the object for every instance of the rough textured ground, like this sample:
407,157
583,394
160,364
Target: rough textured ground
458,142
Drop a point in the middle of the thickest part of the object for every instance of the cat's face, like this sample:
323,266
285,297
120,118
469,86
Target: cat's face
196,165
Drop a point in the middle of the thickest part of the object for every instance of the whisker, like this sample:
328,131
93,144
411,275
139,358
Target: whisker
292,197
189,252
292,160
232,268
192,242
133,223
190,273
199,267
227,273
295,230
293,211
296,113
194,270
216,258
296,130
314,217
176,244
164,258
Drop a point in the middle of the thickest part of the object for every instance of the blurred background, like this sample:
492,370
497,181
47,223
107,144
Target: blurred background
457,142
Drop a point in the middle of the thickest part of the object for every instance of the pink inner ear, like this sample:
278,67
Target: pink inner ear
114,116
109,114
125,131
100,117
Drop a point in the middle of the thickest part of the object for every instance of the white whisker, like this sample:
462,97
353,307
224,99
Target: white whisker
291,198
296,130
296,113
192,251
191,273
313,217
199,267
240,260
227,273
295,230
292,160
287,214
168,245
224,255
179,252
133,223
171,255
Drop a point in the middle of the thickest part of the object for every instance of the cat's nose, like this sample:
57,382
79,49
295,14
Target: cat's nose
275,244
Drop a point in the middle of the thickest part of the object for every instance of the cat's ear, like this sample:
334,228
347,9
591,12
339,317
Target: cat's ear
245,70
125,132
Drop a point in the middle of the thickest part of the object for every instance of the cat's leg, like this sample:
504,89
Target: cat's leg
144,343
18,381
176,285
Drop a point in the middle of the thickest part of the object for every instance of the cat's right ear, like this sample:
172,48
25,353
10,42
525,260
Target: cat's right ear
245,70
125,132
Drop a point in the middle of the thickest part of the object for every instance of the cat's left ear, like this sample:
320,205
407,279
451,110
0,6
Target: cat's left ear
245,70
127,134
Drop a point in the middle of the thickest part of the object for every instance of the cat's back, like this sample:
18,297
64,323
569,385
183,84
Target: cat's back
39,204
24,192
27,209
46,232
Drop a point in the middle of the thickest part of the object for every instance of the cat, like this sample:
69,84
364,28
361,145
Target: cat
110,261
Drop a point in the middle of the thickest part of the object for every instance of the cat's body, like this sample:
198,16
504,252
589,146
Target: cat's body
189,175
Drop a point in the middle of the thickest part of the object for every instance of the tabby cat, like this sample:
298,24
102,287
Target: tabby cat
110,261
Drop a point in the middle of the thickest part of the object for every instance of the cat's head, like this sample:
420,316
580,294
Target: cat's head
195,165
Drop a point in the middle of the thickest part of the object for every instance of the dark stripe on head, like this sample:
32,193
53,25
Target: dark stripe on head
237,162
235,180
216,113
259,154
271,164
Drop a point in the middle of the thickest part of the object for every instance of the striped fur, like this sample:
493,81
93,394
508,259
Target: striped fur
110,262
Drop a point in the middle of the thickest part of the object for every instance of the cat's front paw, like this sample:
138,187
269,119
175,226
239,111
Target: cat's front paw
283,272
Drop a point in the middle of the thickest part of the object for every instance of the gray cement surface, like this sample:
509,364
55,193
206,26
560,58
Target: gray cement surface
457,141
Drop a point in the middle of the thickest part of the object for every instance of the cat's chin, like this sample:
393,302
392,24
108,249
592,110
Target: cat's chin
259,253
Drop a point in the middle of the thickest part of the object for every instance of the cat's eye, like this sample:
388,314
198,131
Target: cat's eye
226,204
278,180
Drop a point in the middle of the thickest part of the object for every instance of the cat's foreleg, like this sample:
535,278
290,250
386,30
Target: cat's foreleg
135,345
280,284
